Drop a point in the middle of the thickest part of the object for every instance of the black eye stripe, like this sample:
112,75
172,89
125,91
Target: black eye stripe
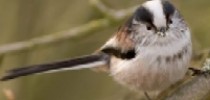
144,15
119,54
168,9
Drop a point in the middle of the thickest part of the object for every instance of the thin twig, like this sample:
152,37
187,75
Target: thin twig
111,13
68,34
71,33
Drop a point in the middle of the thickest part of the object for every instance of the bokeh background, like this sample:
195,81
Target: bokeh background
22,20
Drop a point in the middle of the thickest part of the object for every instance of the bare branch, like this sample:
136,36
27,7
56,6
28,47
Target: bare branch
111,13
71,33
68,34
196,88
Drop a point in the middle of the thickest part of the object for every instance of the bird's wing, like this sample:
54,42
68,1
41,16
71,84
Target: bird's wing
121,44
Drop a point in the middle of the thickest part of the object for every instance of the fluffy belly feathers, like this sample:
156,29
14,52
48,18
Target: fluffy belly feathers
152,71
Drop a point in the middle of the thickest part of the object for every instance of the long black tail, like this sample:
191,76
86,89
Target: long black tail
88,61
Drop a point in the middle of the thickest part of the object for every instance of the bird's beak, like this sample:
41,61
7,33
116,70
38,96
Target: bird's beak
162,31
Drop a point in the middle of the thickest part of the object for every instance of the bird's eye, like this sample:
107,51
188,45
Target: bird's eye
149,27
170,21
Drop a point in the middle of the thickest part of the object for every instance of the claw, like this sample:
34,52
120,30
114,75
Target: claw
197,72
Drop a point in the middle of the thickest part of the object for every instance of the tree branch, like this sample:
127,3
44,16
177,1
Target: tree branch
111,13
71,33
196,88
68,34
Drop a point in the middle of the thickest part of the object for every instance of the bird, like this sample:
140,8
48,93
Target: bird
150,52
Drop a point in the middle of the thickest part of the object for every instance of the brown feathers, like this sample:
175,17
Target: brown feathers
123,39
121,45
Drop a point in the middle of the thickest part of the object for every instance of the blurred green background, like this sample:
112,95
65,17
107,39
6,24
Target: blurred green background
21,20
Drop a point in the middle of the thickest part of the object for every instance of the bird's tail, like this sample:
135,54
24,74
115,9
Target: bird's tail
89,61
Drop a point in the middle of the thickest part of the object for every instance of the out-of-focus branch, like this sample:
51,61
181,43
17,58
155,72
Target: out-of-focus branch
111,13
68,34
9,94
196,88
71,33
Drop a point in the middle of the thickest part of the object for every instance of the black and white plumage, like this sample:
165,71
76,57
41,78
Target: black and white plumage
150,52
162,43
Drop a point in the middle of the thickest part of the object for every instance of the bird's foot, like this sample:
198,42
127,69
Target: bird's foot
197,72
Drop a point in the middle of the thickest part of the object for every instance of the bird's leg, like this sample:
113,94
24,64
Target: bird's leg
147,96
197,72
204,71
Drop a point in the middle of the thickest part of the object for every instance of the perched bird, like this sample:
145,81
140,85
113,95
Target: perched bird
150,52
